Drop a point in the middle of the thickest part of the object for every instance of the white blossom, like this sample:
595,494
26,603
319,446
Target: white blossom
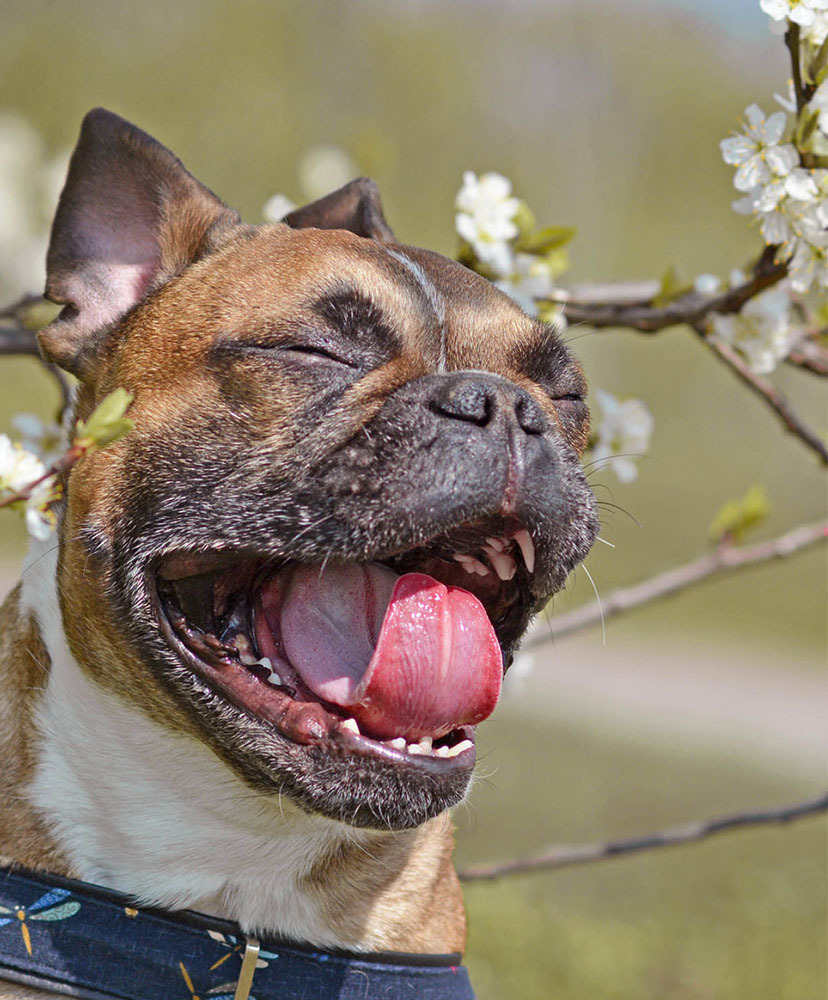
325,168
707,284
625,432
41,519
18,467
810,15
277,207
29,185
43,438
757,153
530,278
485,218
787,101
763,332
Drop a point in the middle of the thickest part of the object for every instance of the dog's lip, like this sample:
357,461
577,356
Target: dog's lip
304,724
309,720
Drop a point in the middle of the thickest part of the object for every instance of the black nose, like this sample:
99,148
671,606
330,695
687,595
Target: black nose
481,399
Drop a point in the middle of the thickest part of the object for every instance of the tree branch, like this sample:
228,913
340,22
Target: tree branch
578,854
723,559
763,388
810,356
592,304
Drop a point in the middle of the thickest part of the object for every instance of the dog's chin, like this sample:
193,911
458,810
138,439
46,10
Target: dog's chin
352,687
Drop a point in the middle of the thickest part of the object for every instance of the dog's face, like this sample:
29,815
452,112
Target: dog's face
354,476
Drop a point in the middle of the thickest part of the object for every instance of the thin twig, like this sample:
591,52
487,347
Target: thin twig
810,356
792,44
766,391
578,854
70,457
692,308
724,558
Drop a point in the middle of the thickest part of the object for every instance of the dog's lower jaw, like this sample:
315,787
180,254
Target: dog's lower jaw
157,814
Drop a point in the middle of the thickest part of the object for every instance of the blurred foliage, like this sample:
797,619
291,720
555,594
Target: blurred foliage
739,917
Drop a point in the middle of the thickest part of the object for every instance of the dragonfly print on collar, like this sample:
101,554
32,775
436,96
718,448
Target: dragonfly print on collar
50,906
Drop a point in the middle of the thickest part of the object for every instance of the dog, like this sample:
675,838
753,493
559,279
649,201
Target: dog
246,680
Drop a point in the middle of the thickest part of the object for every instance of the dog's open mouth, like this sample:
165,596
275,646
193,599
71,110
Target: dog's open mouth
399,658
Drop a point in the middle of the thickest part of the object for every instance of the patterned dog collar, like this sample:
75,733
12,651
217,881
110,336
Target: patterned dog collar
81,940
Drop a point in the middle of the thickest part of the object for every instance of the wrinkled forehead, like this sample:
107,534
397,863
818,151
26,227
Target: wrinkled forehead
424,295
272,277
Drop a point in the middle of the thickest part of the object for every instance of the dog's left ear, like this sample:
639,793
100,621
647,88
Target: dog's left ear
130,217
356,207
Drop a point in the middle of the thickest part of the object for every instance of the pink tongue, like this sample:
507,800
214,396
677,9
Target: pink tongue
407,656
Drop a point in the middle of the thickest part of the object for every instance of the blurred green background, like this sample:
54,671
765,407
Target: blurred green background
606,116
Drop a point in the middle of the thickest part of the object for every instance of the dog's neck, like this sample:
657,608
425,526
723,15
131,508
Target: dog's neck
133,806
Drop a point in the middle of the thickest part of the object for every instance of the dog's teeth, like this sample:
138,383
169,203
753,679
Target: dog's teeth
461,746
414,748
497,543
470,564
248,659
352,726
442,752
504,565
527,548
398,743
425,744
274,679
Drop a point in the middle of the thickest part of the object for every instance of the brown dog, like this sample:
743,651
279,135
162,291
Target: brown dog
247,681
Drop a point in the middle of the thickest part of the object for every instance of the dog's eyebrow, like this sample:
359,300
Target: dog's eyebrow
545,357
431,294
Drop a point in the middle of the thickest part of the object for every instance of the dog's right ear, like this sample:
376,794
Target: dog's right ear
356,207
129,218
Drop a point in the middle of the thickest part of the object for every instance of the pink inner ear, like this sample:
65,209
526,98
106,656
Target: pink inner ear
114,240
102,292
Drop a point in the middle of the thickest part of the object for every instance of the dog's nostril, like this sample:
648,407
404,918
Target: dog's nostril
530,416
469,401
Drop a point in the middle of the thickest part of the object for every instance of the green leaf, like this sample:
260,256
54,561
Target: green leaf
546,239
819,64
672,287
107,422
524,219
737,517
557,261
805,129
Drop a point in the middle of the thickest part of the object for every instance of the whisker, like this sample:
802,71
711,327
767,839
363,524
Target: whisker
600,606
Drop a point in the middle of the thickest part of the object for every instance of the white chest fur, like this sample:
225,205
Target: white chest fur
140,809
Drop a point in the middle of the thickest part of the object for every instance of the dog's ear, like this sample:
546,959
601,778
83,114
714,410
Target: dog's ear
129,218
356,207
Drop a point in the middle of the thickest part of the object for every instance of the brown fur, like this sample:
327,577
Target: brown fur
24,666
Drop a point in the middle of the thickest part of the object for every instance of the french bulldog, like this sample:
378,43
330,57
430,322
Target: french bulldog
246,677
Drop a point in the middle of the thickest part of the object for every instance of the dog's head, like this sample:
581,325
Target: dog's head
354,476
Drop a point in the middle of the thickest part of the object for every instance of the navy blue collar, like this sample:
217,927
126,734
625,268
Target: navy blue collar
81,940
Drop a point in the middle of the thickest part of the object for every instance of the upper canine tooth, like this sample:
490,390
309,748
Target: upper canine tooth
527,547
